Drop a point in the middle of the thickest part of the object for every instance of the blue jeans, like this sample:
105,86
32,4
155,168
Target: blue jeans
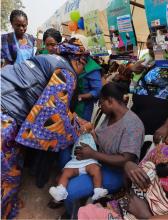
82,186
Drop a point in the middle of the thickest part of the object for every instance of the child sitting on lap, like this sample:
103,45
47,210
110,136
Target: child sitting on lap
78,167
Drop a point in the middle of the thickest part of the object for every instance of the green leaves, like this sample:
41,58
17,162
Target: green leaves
6,8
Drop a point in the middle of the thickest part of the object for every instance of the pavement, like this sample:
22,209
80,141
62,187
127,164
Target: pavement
35,200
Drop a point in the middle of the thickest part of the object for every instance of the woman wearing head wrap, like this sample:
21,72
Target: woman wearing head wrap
35,103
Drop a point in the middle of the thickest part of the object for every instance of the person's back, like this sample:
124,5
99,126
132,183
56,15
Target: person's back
22,84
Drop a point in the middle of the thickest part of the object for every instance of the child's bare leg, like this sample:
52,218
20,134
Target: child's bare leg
60,193
67,173
94,170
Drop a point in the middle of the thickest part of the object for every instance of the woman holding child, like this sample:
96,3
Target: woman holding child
119,139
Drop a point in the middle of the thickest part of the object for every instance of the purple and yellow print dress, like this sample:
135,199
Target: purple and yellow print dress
11,167
50,125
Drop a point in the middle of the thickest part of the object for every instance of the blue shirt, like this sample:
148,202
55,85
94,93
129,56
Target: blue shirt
92,84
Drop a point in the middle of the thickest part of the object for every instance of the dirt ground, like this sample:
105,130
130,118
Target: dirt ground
35,200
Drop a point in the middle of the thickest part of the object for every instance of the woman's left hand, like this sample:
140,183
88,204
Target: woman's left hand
84,152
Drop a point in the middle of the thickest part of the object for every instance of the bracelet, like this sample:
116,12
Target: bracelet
79,99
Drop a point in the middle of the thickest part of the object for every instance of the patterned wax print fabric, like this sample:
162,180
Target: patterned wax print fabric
11,165
50,125
154,83
155,194
158,155
73,49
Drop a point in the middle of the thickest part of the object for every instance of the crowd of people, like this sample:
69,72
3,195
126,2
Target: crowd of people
47,102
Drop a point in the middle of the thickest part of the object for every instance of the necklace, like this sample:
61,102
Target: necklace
23,41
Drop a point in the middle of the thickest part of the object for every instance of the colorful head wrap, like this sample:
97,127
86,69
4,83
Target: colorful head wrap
72,49
158,155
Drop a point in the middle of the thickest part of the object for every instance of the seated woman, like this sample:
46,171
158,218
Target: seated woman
119,140
150,185
149,191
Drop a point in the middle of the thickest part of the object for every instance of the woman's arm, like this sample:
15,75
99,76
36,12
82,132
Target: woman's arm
85,96
86,152
5,53
95,84
114,160
85,126
161,134
158,217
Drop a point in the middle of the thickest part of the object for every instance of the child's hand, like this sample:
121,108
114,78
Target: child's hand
84,152
86,128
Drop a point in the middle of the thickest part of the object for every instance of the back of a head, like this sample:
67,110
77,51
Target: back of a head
114,90
113,66
51,32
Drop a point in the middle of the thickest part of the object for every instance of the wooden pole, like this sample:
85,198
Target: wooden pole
137,4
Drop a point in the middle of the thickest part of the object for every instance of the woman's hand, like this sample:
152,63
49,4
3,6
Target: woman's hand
86,127
161,134
137,175
84,152
138,67
85,96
